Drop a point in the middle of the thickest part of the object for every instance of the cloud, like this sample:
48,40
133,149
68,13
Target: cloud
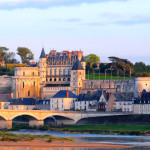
73,20
134,20
43,4
95,24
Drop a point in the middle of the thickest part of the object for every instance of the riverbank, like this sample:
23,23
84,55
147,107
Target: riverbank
40,141
107,129
94,129
57,144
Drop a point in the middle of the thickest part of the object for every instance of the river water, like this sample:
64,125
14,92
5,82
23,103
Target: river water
140,142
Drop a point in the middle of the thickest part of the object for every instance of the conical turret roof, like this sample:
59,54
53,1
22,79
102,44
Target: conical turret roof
43,53
82,59
77,65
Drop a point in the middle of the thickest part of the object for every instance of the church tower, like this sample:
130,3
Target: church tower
83,63
77,77
42,67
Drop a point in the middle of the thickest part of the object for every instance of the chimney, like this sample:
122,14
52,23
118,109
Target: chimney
67,94
140,94
12,95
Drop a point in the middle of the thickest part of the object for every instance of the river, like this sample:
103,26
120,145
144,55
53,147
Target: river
141,142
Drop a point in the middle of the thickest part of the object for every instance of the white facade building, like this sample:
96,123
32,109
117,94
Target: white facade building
63,100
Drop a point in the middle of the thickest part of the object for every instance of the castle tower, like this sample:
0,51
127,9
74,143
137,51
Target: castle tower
77,77
42,67
83,63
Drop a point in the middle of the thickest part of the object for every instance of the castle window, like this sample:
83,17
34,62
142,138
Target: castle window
34,83
80,73
23,73
28,93
23,85
33,73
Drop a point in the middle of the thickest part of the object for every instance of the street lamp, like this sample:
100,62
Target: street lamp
105,73
124,72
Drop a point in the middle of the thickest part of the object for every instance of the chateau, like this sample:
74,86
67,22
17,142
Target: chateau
55,71
63,71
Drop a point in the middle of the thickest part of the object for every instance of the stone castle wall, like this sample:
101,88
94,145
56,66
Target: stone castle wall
5,85
127,85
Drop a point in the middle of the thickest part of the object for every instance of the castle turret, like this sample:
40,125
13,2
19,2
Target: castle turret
77,77
42,66
83,62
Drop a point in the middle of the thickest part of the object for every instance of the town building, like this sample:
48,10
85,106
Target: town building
88,102
141,104
123,105
43,105
22,104
63,100
5,100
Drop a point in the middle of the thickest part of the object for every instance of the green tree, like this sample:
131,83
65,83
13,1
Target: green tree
92,58
10,58
3,51
25,54
94,65
140,67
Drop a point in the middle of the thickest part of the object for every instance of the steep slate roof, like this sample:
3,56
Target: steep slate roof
43,54
63,94
82,59
77,65
25,101
41,102
5,97
91,96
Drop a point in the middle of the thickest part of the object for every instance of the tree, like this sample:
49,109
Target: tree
25,54
10,58
92,58
3,51
140,67
94,65
121,64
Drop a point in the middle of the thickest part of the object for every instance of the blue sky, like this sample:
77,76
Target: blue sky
104,27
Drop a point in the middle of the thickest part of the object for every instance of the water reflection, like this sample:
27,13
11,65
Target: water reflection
37,148
141,142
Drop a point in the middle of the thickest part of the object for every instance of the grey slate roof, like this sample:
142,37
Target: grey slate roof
63,94
41,102
5,97
91,96
25,101
43,54
77,65
82,59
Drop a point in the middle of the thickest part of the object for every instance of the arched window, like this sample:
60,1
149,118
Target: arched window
50,79
55,79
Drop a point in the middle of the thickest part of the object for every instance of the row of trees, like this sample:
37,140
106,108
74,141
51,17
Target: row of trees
118,66
9,57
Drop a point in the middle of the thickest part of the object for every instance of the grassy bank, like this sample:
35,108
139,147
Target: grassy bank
108,129
95,129
102,77
4,136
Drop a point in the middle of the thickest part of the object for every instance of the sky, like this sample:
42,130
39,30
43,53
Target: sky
106,28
